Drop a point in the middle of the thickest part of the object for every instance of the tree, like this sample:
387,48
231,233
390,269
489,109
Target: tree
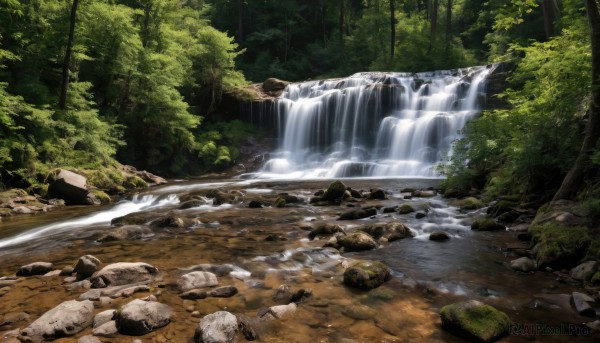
66,64
392,29
574,178
433,25
448,24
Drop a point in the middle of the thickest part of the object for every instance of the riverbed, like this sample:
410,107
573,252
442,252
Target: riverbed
268,247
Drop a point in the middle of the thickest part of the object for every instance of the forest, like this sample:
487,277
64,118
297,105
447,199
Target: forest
91,85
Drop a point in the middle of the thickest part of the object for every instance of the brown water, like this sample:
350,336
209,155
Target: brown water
427,275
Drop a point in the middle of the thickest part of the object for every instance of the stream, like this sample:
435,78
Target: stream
268,247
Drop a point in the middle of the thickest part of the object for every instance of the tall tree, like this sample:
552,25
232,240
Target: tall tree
448,24
342,19
62,101
574,178
392,28
433,27
551,12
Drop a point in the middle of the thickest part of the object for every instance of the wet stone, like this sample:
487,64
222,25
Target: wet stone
36,268
223,292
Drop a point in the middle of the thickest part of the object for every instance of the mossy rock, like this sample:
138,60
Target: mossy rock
501,207
335,191
452,192
486,224
389,231
377,194
279,202
7,196
102,196
325,230
438,236
475,321
367,275
358,214
358,241
405,209
509,217
559,246
134,182
469,204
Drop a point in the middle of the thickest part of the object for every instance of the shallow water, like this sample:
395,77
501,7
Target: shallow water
427,274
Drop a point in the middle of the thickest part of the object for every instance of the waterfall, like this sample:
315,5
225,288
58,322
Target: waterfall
373,124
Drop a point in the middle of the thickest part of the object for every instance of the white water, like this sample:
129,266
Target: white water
138,203
373,124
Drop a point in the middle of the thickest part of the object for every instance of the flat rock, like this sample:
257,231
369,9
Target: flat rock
194,294
126,232
66,319
123,273
103,318
475,321
223,292
218,327
87,265
36,268
584,271
113,292
283,311
195,280
523,264
140,317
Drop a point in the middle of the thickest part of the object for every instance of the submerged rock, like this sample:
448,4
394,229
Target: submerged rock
475,321
523,264
123,273
367,275
218,327
438,236
405,209
36,268
387,232
140,317
127,232
66,319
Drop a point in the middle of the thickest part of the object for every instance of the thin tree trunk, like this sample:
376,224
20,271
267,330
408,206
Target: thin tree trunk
392,29
448,24
434,15
574,178
240,21
551,13
62,100
146,27
341,29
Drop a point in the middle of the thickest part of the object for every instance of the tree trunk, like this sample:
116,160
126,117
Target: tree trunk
341,29
434,15
551,13
392,29
62,100
240,21
448,24
146,27
574,178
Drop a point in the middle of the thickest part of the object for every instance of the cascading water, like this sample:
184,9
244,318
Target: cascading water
373,124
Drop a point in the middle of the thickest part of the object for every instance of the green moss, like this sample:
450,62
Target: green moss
103,197
475,320
280,202
405,209
469,203
366,275
335,191
134,182
486,224
596,277
559,246
11,194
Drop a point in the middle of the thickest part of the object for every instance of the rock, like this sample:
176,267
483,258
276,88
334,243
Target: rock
335,192
194,294
87,265
475,321
468,203
420,215
584,271
113,292
357,241
325,230
523,264
218,327
423,194
136,218
22,210
36,268
273,86
195,280
584,304
66,319
378,194
89,339
509,217
72,188
67,271
169,221
123,273
223,292
486,224
108,329
140,317
438,236
191,204
279,203
282,311
103,317
367,275
391,209
358,214
388,232
405,209
359,312
127,232
255,204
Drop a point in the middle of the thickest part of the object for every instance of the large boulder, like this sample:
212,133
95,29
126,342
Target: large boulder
123,273
273,86
140,317
66,319
475,321
335,192
584,271
198,279
87,265
367,275
72,188
218,327
36,268
357,241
